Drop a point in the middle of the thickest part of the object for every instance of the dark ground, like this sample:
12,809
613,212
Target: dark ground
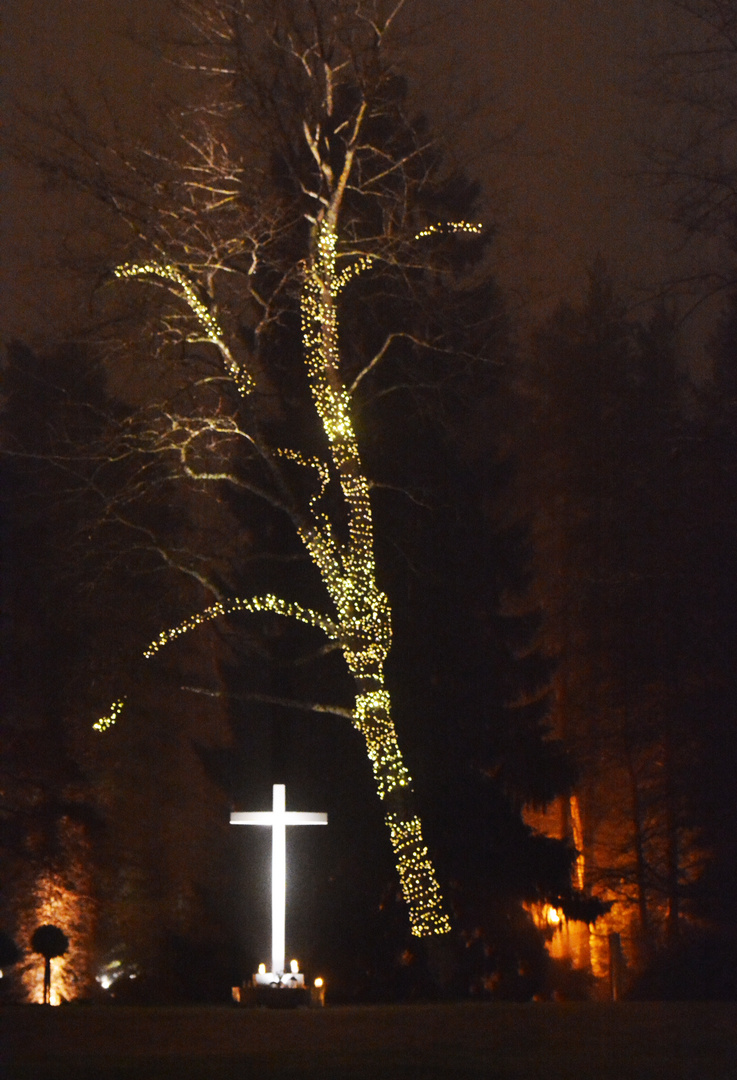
496,1041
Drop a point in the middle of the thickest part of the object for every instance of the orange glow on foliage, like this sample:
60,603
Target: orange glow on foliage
59,897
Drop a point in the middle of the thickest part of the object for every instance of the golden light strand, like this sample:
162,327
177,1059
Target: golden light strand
373,719
207,320
269,602
109,719
365,262
349,574
417,878
450,227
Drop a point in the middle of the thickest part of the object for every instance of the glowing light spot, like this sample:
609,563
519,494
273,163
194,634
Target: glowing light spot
449,227
109,719
445,227
269,602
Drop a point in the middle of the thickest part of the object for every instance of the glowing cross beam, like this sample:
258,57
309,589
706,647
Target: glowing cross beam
278,818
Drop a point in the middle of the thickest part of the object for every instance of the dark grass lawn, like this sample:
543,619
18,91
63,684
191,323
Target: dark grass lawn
573,1041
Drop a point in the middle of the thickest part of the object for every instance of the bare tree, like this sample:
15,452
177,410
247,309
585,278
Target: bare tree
295,170
693,153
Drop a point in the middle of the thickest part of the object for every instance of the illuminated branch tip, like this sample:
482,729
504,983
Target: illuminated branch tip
270,603
450,227
315,463
109,719
210,325
365,262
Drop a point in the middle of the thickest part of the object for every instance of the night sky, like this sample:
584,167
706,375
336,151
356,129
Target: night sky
537,100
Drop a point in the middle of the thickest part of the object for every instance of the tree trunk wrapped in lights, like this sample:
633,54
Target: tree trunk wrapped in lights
360,200
348,571
364,616
363,628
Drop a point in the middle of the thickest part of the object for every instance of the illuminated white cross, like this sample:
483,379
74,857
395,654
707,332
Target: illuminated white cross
278,818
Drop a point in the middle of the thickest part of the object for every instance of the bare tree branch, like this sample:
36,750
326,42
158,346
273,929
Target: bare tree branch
271,699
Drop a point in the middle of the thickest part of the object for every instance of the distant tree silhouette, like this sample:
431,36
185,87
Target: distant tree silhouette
9,951
627,577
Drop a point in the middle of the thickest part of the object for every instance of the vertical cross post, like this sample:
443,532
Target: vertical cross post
278,818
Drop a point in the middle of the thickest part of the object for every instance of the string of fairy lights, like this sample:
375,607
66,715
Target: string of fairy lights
107,721
208,323
373,720
348,570
450,227
269,602
417,878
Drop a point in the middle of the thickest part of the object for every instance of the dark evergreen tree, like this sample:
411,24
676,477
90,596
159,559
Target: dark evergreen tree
606,482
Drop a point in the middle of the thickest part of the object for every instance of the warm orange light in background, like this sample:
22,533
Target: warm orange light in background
58,906
60,897
317,995
605,869
564,940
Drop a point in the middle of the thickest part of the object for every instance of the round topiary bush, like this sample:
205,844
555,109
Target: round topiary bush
49,941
